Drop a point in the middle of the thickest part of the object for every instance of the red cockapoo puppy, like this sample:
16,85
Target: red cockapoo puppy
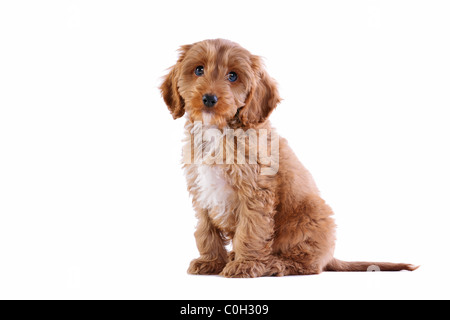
247,185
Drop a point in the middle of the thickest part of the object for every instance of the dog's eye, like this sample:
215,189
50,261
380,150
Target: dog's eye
199,71
232,76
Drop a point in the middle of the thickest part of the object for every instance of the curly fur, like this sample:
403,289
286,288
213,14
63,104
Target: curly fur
278,224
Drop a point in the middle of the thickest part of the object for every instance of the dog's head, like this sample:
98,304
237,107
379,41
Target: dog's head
217,82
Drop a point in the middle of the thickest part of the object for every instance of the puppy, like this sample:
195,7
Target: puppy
247,185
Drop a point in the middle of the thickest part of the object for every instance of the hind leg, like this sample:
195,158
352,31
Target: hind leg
304,241
297,262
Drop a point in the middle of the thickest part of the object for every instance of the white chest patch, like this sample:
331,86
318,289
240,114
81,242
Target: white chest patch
214,191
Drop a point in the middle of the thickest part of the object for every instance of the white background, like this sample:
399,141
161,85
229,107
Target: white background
93,202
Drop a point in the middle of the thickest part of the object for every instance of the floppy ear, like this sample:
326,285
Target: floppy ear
169,87
262,98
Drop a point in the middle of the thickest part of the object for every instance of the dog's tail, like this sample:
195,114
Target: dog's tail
344,266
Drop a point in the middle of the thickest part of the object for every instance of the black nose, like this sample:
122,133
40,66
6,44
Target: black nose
209,100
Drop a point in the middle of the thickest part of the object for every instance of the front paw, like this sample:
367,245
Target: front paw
244,269
203,266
